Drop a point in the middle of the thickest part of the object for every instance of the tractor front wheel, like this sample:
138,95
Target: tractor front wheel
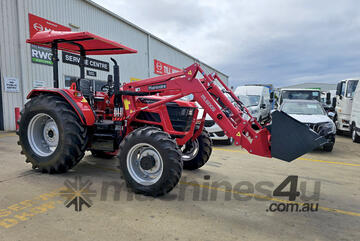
51,134
150,161
196,153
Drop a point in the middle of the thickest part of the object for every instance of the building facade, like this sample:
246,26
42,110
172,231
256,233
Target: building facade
24,67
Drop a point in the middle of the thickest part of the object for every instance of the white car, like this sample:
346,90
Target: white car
215,131
311,113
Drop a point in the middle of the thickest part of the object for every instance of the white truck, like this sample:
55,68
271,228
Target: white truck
297,94
355,116
344,102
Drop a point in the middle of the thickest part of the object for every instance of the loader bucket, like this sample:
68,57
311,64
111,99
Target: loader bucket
290,138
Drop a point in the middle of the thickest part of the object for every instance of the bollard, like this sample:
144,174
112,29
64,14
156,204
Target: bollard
17,117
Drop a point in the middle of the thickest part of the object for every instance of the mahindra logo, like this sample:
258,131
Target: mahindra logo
38,27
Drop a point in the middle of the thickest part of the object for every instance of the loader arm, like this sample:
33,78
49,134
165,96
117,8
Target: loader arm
231,116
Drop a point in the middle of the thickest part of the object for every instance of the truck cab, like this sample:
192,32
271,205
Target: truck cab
344,100
298,94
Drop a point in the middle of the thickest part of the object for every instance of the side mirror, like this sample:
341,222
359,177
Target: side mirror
331,114
328,98
334,102
262,106
338,88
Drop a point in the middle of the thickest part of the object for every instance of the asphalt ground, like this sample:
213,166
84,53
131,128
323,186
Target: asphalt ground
230,198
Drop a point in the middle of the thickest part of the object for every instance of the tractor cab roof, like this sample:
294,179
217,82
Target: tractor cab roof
74,42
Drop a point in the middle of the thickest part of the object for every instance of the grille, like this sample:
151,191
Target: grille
180,117
220,133
209,123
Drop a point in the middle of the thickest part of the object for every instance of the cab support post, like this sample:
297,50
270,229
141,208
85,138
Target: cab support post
55,60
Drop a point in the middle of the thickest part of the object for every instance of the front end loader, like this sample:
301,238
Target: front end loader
153,132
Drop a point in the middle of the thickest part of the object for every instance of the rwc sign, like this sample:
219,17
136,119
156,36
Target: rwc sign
41,55
74,59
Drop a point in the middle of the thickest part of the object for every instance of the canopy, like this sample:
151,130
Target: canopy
71,41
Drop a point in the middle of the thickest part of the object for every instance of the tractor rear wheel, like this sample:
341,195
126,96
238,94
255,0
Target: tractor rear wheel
150,161
51,134
196,153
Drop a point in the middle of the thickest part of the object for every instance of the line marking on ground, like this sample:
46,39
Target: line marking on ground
300,158
2,135
333,210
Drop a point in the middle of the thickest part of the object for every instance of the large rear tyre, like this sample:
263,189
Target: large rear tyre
196,153
150,161
51,134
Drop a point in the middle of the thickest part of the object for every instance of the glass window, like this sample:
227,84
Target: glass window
99,84
303,108
342,89
351,87
249,100
301,95
68,80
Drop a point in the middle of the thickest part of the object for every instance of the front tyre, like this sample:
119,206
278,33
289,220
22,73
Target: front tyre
51,134
354,136
196,153
150,161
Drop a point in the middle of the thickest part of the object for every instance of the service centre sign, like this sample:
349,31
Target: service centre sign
38,24
163,68
70,58
42,55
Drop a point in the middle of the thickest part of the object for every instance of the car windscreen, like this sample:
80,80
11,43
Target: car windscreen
300,95
249,100
351,87
302,108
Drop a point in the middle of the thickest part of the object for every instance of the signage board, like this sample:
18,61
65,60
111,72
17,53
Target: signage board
91,73
163,68
41,55
38,24
74,59
11,84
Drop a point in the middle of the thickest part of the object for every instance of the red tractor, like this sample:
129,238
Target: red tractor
153,132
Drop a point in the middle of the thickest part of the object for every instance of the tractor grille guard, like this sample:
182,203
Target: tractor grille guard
285,138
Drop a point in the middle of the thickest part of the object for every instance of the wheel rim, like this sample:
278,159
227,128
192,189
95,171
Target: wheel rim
43,135
353,134
190,150
138,155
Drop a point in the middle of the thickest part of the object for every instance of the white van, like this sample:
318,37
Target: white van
355,116
256,99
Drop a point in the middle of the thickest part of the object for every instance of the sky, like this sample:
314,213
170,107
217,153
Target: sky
282,42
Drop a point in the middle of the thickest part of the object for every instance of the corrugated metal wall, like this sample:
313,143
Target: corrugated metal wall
15,52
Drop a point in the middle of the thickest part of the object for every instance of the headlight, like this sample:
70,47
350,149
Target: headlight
253,112
328,128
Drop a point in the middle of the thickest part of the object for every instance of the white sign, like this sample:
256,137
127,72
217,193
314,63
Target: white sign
39,83
11,84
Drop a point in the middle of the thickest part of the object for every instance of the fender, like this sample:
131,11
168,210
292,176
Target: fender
74,98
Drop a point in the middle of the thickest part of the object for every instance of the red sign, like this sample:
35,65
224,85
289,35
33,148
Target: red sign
37,24
163,68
